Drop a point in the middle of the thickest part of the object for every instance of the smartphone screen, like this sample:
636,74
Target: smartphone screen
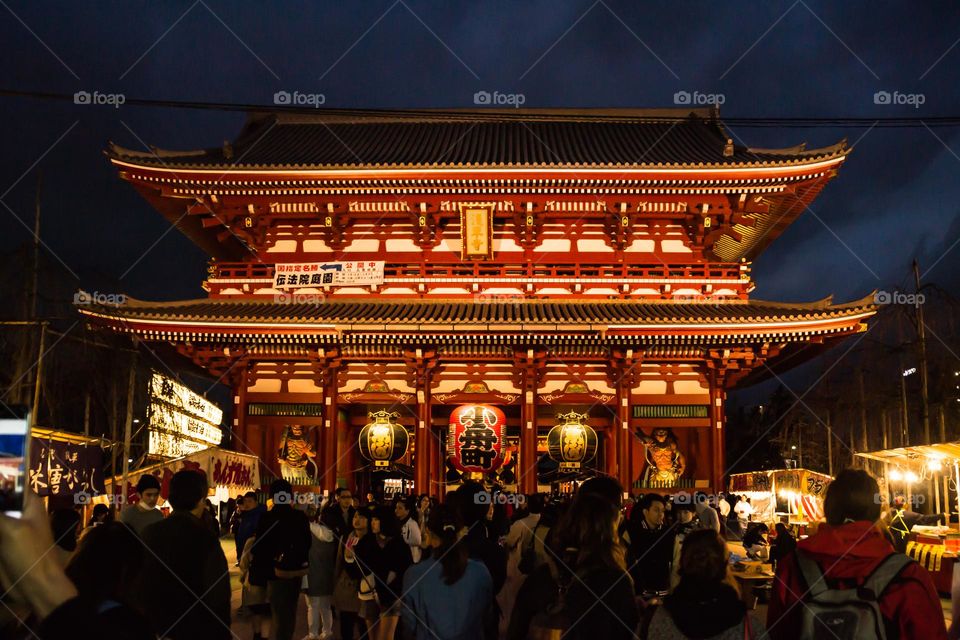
14,438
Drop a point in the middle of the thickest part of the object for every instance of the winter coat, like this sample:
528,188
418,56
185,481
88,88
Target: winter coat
393,557
322,561
282,543
847,554
435,609
185,563
705,612
346,582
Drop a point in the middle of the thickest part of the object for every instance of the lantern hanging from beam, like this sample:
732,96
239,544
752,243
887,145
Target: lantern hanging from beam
475,438
383,440
572,442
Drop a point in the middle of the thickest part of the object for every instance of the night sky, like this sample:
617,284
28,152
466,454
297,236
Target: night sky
896,198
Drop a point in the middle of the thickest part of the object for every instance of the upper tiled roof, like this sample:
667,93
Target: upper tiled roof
458,312
682,138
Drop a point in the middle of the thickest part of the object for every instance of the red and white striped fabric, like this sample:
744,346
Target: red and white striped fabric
810,508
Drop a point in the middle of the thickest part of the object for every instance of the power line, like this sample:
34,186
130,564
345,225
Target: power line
843,122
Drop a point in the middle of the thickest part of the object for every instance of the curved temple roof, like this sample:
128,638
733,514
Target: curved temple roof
547,138
223,317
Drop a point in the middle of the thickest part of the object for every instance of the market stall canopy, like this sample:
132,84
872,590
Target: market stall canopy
227,470
792,491
917,455
798,480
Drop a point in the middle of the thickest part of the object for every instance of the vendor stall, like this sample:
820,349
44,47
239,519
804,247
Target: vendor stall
924,476
796,494
228,473
921,469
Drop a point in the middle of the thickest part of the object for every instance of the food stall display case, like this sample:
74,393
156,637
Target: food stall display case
796,494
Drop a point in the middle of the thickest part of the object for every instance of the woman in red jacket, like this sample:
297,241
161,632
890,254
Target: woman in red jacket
847,549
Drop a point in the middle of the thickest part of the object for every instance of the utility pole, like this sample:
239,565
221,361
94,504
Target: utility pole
829,444
114,419
800,443
922,335
128,427
35,409
34,294
863,413
904,415
86,415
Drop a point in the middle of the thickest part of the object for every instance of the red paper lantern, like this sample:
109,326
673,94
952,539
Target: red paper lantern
475,439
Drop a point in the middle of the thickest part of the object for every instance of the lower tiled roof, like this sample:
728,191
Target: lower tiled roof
457,312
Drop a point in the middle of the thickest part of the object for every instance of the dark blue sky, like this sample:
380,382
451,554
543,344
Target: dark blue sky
897,197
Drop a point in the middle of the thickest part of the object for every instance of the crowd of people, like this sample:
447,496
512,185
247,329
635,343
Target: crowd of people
474,567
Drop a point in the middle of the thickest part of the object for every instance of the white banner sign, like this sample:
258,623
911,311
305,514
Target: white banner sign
327,274
181,421
166,418
184,399
169,445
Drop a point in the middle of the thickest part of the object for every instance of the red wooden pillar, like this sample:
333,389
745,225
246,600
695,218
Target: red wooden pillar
527,468
622,426
425,447
346,448
717,470
420,363
240,410
328,466
438,457
624,373
530,364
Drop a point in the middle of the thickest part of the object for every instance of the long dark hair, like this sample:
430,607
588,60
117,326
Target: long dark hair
703,557
587,533
94,568
705,581
412,503
445,524
389,524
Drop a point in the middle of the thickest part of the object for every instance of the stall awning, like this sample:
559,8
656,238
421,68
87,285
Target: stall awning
237,472
797,480
917,455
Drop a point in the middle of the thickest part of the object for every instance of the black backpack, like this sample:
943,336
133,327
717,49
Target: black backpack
846,614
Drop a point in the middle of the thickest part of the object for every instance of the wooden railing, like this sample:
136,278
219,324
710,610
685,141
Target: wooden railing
725,271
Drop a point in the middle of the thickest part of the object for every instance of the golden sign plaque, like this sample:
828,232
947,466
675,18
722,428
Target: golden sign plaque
476,224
